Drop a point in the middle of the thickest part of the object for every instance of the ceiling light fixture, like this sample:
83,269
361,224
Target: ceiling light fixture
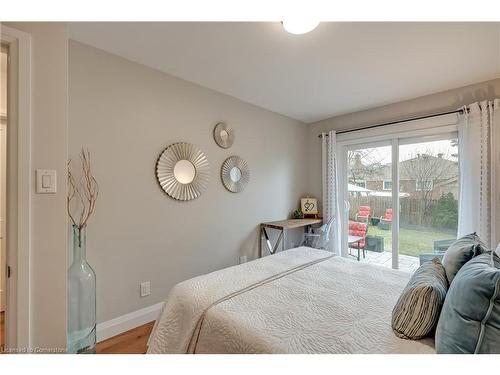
299,26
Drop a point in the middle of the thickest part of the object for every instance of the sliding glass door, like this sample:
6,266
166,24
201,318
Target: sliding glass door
369,199
401,199
428,185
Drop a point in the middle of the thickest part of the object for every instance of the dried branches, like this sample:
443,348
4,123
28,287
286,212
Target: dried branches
82,194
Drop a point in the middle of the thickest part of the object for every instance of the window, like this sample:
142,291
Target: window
361,184
387,185
424,185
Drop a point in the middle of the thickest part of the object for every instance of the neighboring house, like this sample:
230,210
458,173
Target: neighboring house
424,175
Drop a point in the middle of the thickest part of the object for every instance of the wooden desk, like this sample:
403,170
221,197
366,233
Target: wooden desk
283,226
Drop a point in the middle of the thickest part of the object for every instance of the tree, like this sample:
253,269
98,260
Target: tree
363,163
445,212
428,170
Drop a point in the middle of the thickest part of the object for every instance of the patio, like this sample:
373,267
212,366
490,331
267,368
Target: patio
406,263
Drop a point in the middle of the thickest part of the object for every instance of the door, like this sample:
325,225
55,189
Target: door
401,199
368,193
3,176
429,185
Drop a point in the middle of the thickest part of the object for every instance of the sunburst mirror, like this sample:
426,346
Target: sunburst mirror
223,135
235,174
183,171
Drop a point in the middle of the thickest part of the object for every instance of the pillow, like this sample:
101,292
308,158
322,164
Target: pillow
460,252
470,319
417,311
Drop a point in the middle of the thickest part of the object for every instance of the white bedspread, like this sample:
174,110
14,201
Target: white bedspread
298,301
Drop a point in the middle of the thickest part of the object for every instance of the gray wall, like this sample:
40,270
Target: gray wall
434,103
126,114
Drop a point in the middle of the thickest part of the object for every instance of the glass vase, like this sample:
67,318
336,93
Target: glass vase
81,298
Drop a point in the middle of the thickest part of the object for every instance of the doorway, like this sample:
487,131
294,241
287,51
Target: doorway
4,58
400,190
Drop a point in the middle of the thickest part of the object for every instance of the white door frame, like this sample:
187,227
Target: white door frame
393,136
3,200
18,333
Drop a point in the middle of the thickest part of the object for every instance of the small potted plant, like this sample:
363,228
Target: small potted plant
298,214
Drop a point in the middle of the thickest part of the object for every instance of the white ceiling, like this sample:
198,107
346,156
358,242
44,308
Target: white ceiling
335,69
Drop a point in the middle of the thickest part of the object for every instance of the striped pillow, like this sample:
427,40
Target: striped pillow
417,311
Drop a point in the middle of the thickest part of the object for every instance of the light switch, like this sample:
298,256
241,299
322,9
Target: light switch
45,181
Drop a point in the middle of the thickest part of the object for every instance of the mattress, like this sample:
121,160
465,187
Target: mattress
301,300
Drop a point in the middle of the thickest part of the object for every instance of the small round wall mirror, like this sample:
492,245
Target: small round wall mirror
235,174
183,171
223,135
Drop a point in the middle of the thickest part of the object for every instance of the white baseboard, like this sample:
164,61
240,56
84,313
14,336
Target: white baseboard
123,323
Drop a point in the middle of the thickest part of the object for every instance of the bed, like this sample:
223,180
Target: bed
301,300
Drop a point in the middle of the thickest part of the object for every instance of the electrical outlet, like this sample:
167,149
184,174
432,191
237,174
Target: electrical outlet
145,289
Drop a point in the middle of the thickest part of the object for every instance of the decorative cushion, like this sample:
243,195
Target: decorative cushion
359,230
460,252
364,211
416,313
470,319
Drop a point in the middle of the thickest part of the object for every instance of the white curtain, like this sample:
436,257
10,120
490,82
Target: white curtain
330,189
478,134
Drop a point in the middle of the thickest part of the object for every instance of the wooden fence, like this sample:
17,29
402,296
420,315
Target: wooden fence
412,210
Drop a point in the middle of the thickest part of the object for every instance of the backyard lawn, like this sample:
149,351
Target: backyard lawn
411,241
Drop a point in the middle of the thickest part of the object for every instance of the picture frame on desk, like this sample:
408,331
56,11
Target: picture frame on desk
309,206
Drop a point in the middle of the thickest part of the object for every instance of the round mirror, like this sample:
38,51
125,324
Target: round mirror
184,171
235,174
223,135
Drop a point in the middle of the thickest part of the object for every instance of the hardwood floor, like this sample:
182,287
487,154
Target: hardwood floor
130,342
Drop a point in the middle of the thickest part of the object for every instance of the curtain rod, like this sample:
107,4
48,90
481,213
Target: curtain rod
461,111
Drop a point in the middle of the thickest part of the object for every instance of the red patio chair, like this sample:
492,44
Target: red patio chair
358,230
387,216
364,213
386,220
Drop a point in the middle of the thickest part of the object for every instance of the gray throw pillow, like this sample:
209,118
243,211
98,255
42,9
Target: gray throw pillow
470,319
460,252
416,313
